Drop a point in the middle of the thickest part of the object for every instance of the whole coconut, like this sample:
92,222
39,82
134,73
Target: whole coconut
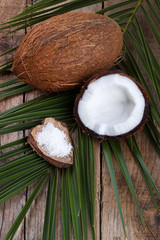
62,52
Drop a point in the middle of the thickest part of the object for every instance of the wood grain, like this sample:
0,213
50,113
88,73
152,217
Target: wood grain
107,220
111,228
109,211
10,210
37,216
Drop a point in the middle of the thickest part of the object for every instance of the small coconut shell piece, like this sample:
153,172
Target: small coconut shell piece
111,106
61,162
62,52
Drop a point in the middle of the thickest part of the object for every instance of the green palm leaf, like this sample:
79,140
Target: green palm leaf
146,176
90,170
16,186
16,91
152,139
74,203
49,227
84,167
152,25
65,207
116,148
137,154
14,143
81,183
153,10
24,210
29,20
77,181
108,157
9,82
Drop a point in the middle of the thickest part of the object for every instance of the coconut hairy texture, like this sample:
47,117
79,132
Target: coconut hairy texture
62,52
111,106
61,162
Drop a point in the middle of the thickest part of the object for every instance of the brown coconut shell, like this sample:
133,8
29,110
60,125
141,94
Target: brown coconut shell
106,137
62,52
61,162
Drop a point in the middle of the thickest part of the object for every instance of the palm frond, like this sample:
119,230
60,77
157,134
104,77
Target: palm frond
29,20
25,165
14,143
153,10
13,92
136,152
16,186
24,210
115,6
77,181
80,189
58,106
84,168
145,176
90,175
151,67
81,183
152,139
19,127
74,204
57,101
116,148
66,214
158,3
6,67
13,87
23,170
33,14
108,158
152,25
9,51
132,16
9,82
15,152
49,227
8,88
27,105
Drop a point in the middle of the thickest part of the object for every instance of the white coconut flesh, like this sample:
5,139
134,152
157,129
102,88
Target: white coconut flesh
111,105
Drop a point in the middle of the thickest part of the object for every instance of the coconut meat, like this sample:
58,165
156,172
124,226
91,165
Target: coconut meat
111,105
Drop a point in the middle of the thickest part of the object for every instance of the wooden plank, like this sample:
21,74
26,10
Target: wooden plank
97,153
111,224
97,188
11,208
36,216
107,222
111,227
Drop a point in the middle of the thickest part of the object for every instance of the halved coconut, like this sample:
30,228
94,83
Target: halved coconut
51,141
111,106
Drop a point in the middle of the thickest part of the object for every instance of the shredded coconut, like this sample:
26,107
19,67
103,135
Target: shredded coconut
54,141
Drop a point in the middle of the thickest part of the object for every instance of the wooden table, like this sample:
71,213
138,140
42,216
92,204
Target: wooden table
108,223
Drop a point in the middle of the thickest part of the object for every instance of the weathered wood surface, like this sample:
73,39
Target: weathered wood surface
10,209
107,220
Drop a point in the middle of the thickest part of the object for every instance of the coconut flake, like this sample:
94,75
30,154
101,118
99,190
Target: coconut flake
54,141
